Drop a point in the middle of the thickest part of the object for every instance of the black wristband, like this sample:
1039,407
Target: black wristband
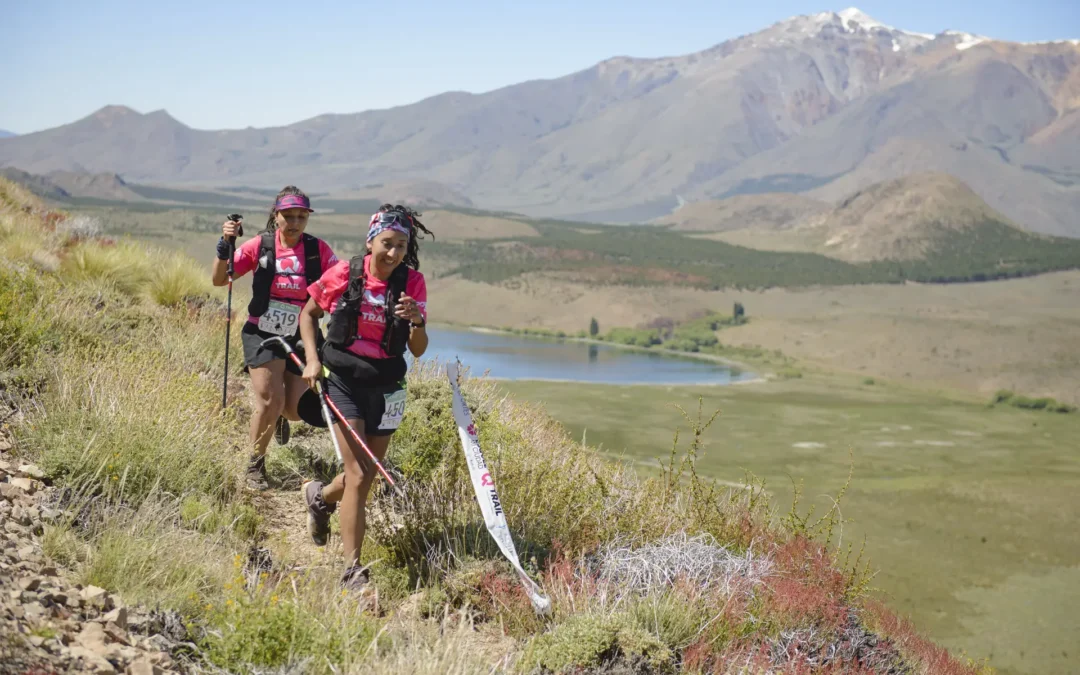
222,249
423,322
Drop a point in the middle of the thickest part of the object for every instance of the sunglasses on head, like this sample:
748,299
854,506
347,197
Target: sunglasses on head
391,217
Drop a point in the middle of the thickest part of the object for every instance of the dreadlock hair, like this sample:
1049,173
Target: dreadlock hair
271,222
412,253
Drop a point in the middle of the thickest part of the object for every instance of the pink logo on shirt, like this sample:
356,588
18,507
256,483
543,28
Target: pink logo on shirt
288,265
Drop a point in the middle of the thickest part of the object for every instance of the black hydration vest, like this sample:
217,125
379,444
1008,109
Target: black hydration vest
264,274
343,322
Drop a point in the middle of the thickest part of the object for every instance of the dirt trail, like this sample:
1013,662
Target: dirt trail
285,522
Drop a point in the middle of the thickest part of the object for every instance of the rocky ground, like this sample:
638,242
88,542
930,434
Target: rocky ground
48,624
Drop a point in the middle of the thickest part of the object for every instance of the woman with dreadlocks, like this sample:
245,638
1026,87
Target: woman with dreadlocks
285,260
378,306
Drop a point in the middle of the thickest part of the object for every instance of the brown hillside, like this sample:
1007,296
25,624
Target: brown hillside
900,218
426,193
772,211
67,184
97,185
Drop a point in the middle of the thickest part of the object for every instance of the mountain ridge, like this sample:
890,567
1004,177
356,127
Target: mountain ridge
918,217
628,139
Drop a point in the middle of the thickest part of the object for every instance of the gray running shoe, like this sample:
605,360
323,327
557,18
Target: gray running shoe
256,473
281,431
318,519
355,578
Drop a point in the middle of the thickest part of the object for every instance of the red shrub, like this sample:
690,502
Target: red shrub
934,659
699,657
560,568
810,561
808,590
502,592
793,603
52,218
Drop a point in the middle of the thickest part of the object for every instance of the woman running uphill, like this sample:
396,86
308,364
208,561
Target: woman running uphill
378,305
285,260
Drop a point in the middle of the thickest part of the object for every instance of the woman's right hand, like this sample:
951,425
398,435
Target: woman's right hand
230,229
312,370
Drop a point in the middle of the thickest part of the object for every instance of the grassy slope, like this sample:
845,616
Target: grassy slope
84,323
966,509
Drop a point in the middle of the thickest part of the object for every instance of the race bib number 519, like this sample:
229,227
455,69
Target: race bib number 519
280,318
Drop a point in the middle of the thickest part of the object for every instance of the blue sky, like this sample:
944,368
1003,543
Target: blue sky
220,65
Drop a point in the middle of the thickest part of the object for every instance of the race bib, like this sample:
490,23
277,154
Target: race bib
280,318
394,410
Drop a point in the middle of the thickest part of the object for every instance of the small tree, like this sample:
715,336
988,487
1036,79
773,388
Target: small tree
594,328
739,313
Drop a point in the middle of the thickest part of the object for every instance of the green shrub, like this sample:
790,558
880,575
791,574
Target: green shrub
427,434
1004,396
676,620
24,329
271,631
589,640
199,514
634,337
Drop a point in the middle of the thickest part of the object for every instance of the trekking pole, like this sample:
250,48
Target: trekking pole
228,306
325,400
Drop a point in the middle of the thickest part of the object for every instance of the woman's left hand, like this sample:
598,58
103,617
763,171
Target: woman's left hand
408,309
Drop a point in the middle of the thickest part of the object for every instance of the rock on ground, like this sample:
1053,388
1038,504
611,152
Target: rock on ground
50,625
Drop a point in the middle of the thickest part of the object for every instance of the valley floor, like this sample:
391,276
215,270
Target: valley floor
1019,334
966,510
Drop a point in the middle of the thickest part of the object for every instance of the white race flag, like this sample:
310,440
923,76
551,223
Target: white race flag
486,495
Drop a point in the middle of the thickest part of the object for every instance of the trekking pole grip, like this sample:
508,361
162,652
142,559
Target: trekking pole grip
238,219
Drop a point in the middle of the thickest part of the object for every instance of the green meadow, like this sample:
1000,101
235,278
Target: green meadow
968,511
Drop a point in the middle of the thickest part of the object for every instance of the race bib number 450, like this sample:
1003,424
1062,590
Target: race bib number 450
280,318
394,410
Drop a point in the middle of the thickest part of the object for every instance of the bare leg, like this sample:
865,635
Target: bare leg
334,490
358,476
268,384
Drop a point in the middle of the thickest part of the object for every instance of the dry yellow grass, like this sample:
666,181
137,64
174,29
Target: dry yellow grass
764,212
794,240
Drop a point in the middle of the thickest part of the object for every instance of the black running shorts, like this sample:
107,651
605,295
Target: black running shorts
379,407
256,355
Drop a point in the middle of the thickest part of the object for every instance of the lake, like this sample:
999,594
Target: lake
514,357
